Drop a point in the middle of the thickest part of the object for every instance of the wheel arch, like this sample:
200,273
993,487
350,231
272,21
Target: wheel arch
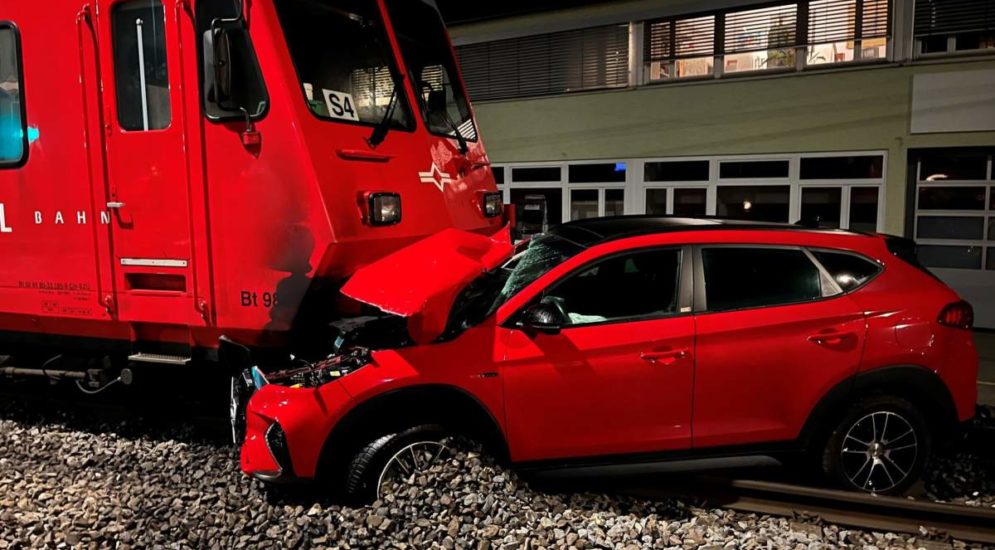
449,406
919,385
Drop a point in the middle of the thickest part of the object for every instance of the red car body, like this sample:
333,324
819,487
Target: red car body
117,238
694,382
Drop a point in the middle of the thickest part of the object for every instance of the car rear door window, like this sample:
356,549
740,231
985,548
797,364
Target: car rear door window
848,270
746,277
628,286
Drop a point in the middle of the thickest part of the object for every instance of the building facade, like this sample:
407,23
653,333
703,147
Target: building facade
873,115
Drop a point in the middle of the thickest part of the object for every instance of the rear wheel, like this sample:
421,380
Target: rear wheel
390,461
880,446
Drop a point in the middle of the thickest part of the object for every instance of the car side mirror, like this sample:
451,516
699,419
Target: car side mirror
544,318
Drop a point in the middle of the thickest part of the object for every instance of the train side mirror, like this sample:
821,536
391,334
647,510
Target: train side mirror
219,74
222,68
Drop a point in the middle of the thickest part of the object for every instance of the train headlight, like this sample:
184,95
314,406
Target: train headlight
385,208
493,205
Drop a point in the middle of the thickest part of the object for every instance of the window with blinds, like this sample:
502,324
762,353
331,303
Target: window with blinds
943,26
783,36
847,30
759,39
547,64
680,48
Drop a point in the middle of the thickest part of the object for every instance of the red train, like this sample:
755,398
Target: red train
176,170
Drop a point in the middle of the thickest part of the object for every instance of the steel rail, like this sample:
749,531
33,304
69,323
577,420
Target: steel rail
927,519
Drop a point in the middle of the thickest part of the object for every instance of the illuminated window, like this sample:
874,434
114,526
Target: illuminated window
833,36
681,48
13,134
760,39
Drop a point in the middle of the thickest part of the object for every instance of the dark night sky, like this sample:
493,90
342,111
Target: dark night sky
462,11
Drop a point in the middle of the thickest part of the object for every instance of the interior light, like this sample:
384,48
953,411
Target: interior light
935,177
747,205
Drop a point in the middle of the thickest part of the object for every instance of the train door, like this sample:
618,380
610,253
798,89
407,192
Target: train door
148,168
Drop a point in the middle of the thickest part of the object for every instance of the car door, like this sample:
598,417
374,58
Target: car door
617,378
774,333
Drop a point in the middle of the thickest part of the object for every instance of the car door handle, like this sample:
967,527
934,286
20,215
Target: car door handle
665,357
830,338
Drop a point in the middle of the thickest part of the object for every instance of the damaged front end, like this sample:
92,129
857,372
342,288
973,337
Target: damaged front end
355,340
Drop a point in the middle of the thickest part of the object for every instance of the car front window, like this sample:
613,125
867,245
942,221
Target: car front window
482,297
344,60
629,287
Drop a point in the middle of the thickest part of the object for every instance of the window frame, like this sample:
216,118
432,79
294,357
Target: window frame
700,306
202,85
949,37
457,82
880,265
800,45
25,142
117,87
685,288
395,66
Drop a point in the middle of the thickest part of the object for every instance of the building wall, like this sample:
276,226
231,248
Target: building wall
858,109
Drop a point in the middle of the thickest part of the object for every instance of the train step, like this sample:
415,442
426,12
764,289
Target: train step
160,358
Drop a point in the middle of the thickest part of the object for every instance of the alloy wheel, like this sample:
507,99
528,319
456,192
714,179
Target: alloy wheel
408,462
879,451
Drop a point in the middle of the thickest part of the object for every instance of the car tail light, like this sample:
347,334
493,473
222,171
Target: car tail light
957,315
385,208
493,205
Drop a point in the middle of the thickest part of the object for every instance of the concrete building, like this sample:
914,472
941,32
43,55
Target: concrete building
861,114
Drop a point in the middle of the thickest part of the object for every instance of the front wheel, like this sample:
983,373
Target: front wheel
392,460
881,446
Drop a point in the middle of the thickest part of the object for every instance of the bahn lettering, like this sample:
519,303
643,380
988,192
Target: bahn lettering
3,221
75,217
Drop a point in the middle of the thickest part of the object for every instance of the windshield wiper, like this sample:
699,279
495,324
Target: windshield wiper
463,147
380,130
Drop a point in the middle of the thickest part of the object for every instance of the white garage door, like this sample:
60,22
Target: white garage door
955,224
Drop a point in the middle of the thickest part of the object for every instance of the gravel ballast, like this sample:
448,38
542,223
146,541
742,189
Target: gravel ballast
75,478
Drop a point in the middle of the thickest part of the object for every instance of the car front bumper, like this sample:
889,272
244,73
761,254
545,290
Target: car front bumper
286,429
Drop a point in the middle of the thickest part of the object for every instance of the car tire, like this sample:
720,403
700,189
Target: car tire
881,445
381,457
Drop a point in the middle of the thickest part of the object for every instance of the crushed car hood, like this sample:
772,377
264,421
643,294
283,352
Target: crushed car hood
422,280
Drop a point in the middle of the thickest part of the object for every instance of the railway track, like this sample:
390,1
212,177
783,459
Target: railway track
929,520
932,520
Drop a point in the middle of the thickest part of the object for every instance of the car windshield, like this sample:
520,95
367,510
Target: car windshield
343,59
422,37
482,297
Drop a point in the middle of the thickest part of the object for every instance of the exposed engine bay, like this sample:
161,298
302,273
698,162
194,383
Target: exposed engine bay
312,375
355,338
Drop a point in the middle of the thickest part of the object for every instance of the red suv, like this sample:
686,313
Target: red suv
635,340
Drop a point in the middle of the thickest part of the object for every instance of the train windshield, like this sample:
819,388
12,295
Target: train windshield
429,58
344,60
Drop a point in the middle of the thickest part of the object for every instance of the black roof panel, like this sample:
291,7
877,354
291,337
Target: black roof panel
597,230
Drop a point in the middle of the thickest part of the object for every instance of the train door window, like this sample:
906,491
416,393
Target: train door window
140,70
13,134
